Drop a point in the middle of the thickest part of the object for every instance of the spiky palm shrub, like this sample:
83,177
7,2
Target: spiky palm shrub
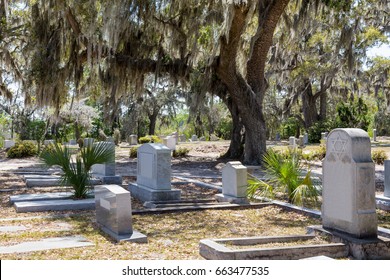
76,169
283,174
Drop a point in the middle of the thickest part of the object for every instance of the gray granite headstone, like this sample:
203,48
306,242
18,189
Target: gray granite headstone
106,171
291,142
133,139
154,174
387,178
306,139
9,143
277,137
234,183
349,184
194,138
113,212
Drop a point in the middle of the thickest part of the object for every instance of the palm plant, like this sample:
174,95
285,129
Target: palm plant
283,174
76,168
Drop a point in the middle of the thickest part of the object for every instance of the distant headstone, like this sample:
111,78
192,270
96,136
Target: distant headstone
374,135
106,171
133,139
277,136
301,141
194,138
291,142
88,142
113,213
9,143
175,135
48,142
349,184
171,142
72,142
202,138
182,138
387,178
306,139
154,174
234,183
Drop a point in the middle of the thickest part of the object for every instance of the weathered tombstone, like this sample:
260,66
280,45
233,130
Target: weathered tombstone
234,183
106,171
301,141
9,143
306,139
154,174
374,135
88,142
277,136
323,135
348,184
387,178
48,142
182,138
72,142
133,140
194,138
291,142
171,142
175,135
202,138
113,213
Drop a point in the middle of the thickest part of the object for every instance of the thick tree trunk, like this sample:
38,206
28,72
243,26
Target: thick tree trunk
323,106
236,148
309,107
152,123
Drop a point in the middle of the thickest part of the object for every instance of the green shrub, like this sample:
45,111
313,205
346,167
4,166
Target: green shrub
149,139
133,151
180,152
314,132
289,128
316,154
23,149
379,156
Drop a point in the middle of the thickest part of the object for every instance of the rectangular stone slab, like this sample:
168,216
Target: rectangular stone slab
39,196
46,244
48,182
55,205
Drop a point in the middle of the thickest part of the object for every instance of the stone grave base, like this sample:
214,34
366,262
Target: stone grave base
52,181
220,249
359,248
146,194
40,196
383,202
231,199
54,205
136,236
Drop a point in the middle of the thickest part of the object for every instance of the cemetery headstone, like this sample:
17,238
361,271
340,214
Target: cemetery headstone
175,135
349,184
202,138
213,137
234,183
171,142
133,140
154,174
73,142
113,213
387,178
277,136
306,139
194,138
374,135
291,142
9,143
106,171
110,139
301,141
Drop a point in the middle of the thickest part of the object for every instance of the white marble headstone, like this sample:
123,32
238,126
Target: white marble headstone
234,179
349,184
154,166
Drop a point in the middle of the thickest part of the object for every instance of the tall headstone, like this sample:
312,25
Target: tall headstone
301,141
175,135
106,171
387,178
374,135
277,136
133,140
9,143
154,174
349,184
171,142
306,139
292,142
113,213
234,183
